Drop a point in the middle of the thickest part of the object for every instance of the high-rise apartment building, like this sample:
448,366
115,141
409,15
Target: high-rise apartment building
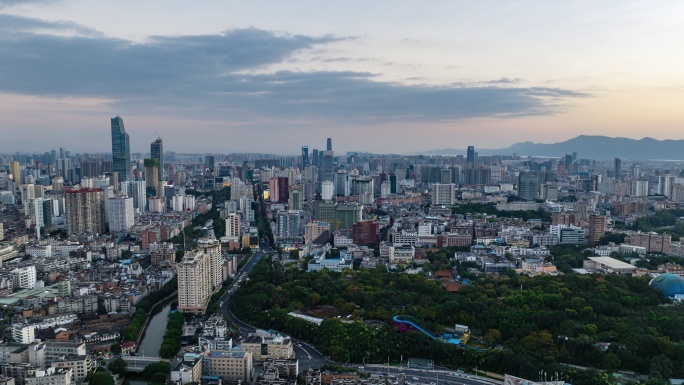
212,247
121,217
136,190
194,289
289,224
157,152
85,212
233,226
597,229
199,276
528,185
15,170
444,194
327,190
121,151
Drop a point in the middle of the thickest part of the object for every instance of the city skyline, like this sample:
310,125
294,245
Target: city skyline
399,79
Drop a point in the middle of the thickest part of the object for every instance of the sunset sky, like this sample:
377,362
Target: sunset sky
381,76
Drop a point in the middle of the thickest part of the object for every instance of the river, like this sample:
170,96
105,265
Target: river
151,342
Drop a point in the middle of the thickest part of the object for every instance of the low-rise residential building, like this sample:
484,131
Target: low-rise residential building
268,344
229,365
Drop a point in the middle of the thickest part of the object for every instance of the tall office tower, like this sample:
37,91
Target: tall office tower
85,211
329,145
470,157
528,185
305,156
342,186
315,157
568,163
120,214
15,170
121,150
152,177
443,194
597,229
157,152
210,162
194,289
327,166
212,247
233,226
309,179
636,171
296,197
617,168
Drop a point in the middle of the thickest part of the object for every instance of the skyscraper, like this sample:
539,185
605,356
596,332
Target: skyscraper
15,170
329,145
470,157
121,151
528,185
305,156
157,152
617,168
328,166
151,175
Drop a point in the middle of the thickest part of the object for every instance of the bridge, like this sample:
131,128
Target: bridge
137,364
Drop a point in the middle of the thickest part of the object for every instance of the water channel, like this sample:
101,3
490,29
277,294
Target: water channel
151,342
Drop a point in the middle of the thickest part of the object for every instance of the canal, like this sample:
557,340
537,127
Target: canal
151,342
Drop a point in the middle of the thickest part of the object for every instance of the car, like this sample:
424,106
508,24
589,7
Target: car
361,368
415,378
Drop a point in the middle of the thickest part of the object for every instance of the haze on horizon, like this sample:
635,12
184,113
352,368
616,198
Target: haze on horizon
385,76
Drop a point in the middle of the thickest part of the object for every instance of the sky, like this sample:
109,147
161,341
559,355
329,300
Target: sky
217,76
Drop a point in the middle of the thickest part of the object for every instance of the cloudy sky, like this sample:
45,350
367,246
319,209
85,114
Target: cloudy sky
383,76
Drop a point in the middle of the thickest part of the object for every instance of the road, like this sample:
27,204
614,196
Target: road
402,375
310,358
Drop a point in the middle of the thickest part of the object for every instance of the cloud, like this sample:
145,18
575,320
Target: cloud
222,76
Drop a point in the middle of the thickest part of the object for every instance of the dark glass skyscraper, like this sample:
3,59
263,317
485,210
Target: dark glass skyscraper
305,156
157,152
329,145
121,151
470,157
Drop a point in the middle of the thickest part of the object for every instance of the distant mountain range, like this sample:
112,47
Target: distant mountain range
587,147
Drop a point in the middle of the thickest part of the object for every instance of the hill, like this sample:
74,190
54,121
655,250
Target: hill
588,147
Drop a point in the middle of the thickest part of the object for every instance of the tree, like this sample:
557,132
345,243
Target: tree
115,348
158,367
662,365
100,378
118,366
